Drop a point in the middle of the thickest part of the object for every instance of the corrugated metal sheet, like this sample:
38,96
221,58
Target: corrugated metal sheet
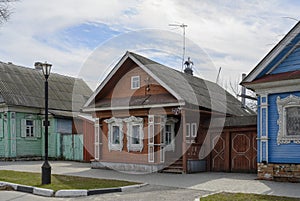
194,90
21,86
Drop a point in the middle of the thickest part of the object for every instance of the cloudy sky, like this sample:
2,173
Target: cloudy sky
86,38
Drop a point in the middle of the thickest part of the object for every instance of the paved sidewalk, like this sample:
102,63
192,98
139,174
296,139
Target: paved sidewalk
206,182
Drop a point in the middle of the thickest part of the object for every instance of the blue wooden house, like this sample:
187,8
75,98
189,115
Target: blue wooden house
276,81
22,113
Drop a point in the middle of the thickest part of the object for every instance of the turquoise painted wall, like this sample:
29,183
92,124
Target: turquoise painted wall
62,143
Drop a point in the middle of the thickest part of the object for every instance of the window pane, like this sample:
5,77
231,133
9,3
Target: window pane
135,82
293,120
168,134
135,134
29,123
116,135
29,128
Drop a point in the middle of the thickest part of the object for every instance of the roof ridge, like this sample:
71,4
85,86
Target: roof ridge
170,68
34,70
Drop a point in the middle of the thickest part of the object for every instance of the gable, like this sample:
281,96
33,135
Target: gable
118,92
280,59
290,63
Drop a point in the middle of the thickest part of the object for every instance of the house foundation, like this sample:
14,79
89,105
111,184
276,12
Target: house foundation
127,167
279,172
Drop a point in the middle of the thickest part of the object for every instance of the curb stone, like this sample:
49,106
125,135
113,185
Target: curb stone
14,186
43,192
68,193
71,193
125,188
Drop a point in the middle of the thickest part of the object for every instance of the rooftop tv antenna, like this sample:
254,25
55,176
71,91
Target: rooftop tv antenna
218,76
183,26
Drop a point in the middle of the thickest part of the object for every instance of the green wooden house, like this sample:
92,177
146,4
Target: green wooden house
22,113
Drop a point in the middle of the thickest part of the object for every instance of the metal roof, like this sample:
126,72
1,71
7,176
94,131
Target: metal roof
194,90
22,86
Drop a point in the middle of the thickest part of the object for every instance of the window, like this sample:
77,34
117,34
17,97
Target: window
292,120
135,139
29,128
169,134
188,129
135,82
194,130
289,120
115,134
135,134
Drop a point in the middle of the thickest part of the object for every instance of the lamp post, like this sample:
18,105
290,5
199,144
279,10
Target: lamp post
46,168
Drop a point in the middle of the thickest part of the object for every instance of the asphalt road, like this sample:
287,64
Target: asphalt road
162,186
147,193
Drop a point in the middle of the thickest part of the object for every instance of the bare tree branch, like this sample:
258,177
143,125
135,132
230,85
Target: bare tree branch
5,10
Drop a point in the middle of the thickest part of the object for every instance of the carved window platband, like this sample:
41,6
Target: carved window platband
115,134
135,133
289,120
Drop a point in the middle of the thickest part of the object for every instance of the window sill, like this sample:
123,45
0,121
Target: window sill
31,138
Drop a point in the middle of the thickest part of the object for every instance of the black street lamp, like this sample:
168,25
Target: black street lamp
46,168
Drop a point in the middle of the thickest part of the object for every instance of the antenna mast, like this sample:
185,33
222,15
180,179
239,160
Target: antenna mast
217,80
183,26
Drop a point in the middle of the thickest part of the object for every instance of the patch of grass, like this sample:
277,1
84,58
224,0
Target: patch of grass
245,197
59,182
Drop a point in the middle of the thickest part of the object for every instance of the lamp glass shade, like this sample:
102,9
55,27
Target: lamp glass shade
46,69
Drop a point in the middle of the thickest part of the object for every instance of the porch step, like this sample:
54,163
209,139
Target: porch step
175,168
173,171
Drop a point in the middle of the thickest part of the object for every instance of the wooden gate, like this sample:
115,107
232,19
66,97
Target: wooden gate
234,152
243,152
72,147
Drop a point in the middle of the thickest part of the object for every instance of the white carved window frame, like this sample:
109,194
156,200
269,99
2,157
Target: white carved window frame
282,105
134,121
171,122
111,123
135,82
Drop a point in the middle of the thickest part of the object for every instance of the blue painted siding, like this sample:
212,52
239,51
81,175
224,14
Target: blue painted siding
264,151
291,63
263,122
284,153
258,129
280,56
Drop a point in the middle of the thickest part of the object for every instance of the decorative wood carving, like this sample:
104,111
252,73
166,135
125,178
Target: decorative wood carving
285,106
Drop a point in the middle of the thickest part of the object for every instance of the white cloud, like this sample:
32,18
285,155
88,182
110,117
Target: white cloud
235,34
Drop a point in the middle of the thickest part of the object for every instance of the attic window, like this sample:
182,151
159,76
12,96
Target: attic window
135,82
